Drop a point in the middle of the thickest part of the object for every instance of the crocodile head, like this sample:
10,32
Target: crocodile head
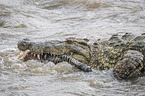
55,51
25,46
48,50
39,51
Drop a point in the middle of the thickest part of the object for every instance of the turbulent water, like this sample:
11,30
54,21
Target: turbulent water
42,20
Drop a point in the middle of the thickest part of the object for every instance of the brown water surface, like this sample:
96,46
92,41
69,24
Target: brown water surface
42,20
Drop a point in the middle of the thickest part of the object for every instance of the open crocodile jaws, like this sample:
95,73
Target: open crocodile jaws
55,52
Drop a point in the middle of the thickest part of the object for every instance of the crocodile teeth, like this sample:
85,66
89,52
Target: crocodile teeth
21,56
38,57
27,51
45,56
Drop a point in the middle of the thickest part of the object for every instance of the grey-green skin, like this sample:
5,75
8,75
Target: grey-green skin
125,54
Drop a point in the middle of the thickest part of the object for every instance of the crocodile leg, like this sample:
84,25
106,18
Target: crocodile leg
128,68
132,63
139,46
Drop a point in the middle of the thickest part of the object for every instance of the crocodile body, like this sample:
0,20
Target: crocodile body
125,54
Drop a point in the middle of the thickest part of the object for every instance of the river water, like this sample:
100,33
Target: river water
42,20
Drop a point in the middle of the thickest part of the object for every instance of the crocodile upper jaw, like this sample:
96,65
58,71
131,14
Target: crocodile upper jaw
28,55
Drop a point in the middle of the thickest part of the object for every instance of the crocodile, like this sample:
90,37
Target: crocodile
125,54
